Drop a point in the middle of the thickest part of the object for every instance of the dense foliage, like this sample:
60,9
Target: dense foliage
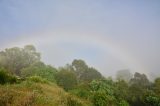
14,59
21,65
40,69
66,79
5,77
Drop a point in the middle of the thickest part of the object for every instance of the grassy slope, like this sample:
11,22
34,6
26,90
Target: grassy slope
29,93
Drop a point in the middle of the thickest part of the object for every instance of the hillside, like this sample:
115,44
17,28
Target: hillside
37,93
25,80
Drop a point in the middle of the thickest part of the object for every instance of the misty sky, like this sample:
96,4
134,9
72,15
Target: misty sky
109,35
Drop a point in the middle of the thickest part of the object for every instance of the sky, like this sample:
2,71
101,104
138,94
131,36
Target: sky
109,35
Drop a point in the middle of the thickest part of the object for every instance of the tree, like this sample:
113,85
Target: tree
125,75
102,93
40,69
121,90
157,86
139,85
80,67
30,54
66,79
153,100
90,74
5,77
15,59
83,72
140,80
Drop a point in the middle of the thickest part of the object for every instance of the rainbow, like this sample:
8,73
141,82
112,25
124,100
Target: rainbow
90,38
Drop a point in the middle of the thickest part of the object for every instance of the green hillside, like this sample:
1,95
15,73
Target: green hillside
37,93
27,81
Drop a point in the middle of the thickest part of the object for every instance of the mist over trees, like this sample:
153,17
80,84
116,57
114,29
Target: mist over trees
125,75
84,72
15,59
79,79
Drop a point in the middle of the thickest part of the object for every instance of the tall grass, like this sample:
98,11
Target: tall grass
36,92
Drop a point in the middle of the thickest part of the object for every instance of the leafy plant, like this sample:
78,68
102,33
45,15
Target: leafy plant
5,77
37,79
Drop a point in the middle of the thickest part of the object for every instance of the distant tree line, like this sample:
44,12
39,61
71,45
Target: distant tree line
17,64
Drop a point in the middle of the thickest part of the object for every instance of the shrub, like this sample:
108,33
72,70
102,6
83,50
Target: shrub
100,98
6,77
83,93
37,79
102,93
153,100
66,79
40,69
123,103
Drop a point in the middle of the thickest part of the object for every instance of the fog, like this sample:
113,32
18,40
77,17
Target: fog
109,35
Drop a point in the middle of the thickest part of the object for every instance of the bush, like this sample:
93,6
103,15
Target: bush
102,93
153,100
37,79
83,93
100,98
39,69
6,77
123,103
66,79
3,76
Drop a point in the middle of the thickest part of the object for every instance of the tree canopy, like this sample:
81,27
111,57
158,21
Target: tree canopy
14,59
124,75
22,64
84,72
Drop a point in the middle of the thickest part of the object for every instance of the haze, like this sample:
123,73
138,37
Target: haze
109,35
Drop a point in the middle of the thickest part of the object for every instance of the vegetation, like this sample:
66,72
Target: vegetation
40,69
15,59
125,75
26,81
6,77
66,79
33,93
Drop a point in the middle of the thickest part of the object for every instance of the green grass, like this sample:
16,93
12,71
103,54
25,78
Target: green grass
36,92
